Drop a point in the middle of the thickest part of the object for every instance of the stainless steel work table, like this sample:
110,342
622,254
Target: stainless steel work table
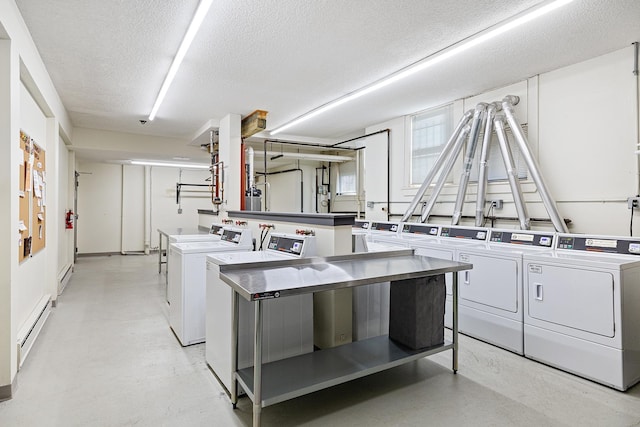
289,378
166,232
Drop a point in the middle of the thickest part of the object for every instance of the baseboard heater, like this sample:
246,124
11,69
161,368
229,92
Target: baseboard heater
64,278
29,332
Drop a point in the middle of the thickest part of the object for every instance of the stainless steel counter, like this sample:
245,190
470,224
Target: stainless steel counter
285,278
289,378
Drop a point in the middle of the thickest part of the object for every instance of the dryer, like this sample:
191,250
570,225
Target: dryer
452,240
582,308
287,322
187,287
491,297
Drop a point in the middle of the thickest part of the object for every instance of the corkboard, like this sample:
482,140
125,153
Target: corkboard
32,212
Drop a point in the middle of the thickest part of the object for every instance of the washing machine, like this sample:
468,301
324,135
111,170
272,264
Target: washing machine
287,322
491,303
385,232
187,281
215,232
359,232
582,308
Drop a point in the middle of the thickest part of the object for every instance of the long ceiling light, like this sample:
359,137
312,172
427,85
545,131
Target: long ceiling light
170,165
431,60
274,155
196,22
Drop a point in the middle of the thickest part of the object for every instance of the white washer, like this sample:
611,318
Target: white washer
359,232
582,308
287,322
187,280
491,300
385,232
215,232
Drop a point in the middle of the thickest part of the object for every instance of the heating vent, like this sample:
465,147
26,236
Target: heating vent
32,327
64,278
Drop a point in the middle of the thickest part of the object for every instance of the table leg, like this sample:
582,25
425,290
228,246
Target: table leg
235,310
257,365
455,322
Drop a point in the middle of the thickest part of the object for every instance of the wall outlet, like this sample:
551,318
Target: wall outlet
633,202
497,204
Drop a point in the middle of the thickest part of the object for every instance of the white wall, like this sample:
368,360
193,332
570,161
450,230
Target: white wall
164,210
30,273
285,188
133,213
65,237
111,199
581,125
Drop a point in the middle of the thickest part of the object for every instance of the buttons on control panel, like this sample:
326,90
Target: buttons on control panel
634,248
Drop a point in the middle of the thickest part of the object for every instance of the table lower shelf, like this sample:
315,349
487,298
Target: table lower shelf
289,378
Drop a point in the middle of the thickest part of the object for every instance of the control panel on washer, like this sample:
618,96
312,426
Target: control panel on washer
361,225
419,229
232,235
216,229
522,238
601,244
464,233
391,227
289,244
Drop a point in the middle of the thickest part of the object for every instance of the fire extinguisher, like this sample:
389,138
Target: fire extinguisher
69,220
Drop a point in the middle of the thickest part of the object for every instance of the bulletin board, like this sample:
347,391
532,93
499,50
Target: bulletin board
33,200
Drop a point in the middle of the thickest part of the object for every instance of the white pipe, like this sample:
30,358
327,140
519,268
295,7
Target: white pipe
147,209
512,174
122,210
252,184
534,169
483,170
636,53
476,125
358,200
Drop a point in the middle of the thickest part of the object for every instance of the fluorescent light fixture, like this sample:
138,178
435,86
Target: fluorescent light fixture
275,155
434,59
198,17
170,165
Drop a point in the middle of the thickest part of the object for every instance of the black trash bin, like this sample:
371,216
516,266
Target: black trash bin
416,311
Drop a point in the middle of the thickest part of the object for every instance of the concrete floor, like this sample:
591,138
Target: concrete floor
106,357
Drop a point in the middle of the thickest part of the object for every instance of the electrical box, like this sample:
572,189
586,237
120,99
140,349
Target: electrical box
254,123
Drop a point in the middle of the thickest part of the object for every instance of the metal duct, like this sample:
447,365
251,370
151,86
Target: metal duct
437,166
455,152
507,105
478,117
512,174
484,155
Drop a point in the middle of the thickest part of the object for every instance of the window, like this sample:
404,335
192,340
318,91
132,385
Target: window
346,178
429,134
495,164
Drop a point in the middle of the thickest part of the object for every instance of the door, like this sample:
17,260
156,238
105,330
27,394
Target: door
493,281
571,297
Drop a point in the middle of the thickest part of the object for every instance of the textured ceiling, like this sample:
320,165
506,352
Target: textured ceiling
107,59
